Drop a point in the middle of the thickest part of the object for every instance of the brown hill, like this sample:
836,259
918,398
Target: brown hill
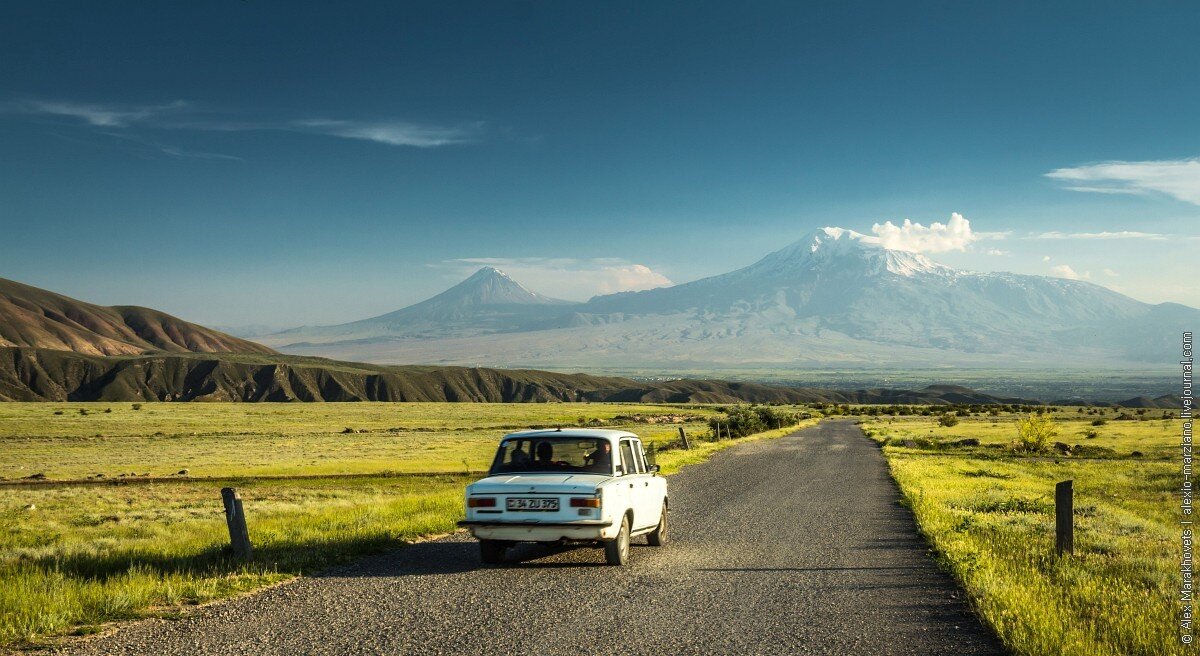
28,374
41,319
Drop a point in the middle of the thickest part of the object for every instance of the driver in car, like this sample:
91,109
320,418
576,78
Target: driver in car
544,453
518,457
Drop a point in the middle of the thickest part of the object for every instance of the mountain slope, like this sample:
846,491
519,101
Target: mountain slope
838,280
38,318
835,297
487,302
43,375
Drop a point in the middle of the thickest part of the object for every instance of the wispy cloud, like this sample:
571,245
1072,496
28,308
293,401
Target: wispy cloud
937,237
392,133
184,116
570,278
1179,179
1121,234
173,151
109,116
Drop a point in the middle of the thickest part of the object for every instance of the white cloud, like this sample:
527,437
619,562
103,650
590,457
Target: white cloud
569,278
1065,271
1110,273
1122,234
1045,258
938,237
1179,179
995,251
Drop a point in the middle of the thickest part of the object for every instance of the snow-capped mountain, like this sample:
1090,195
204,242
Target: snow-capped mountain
833,297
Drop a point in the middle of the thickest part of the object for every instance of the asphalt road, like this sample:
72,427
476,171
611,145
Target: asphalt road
795,545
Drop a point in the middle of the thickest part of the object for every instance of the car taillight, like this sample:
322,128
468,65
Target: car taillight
481,502
585,502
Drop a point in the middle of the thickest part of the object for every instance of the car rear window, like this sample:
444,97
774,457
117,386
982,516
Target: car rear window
553,454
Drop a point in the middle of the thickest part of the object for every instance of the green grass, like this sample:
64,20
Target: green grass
267,439
989,515
74,556
84,555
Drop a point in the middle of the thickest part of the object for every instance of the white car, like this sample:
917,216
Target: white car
568,486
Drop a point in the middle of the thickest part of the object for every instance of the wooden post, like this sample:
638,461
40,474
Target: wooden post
684,439
235,518
1064,526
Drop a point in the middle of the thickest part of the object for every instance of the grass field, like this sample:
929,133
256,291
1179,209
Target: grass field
266,439
989,514
76,555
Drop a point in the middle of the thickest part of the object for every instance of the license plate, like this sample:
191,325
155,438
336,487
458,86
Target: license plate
531,504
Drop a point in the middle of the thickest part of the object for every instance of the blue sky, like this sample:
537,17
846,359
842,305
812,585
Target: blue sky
284,164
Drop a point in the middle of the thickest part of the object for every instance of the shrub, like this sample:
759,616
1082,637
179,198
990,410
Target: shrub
1034,433
136,406
744,420
948,419
1099,422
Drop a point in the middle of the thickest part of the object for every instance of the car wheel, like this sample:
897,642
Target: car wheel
616,552
658,536
491,552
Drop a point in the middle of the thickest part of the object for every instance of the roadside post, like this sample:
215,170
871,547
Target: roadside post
683,438
235,518
1064,526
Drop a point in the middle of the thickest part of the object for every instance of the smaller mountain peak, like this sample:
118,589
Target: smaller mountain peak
490,285
489,272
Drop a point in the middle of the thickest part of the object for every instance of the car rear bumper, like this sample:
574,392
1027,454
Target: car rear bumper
540,531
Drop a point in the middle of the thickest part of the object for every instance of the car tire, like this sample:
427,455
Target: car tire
491,552
658,537
616,552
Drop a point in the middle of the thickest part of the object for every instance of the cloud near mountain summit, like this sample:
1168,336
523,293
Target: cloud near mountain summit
954,235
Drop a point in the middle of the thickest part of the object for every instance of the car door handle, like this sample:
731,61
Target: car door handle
631,485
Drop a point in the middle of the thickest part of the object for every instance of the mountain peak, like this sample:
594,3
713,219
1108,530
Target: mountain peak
491,286
488,272
832,246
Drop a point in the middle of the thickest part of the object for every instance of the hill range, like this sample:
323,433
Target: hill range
835,298
37,318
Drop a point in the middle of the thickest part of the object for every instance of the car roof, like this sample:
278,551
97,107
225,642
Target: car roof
602,433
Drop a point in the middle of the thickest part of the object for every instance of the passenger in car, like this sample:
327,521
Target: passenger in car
601,458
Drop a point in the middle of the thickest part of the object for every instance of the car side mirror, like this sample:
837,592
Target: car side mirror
654,469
